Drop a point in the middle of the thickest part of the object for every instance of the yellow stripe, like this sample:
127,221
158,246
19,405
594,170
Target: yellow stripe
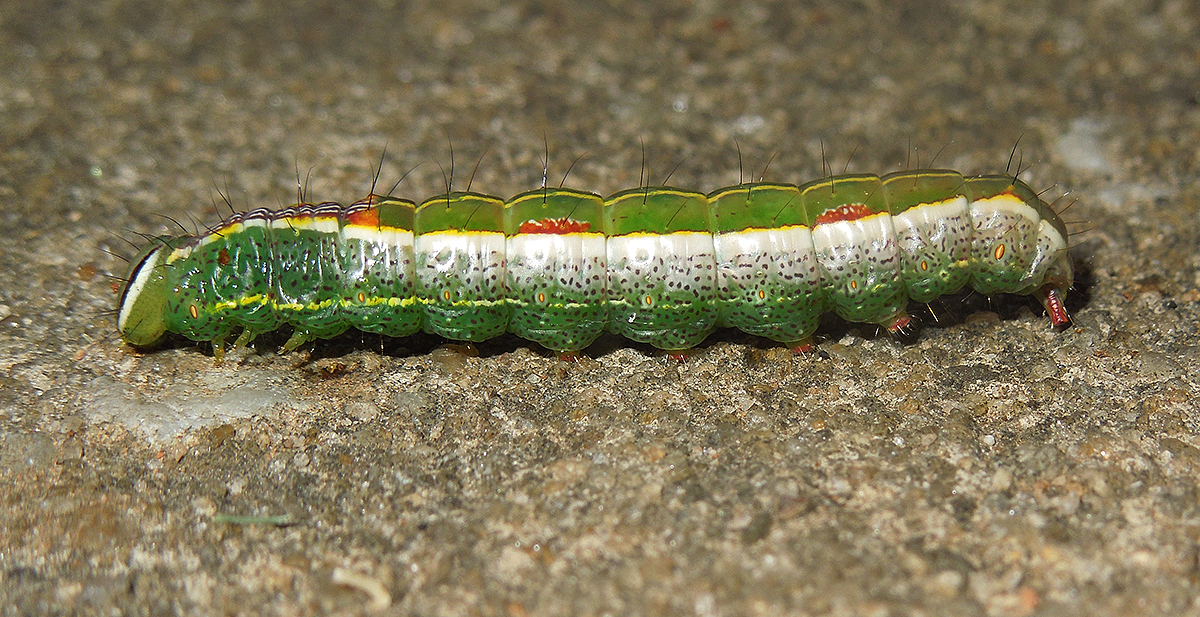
379,228
456,232
647,234
575,234
653,191
756,229
228,305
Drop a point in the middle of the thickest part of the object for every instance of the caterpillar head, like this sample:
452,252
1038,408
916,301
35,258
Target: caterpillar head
141,311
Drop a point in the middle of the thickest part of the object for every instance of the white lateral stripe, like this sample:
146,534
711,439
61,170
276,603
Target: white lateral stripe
1006,203
476,243
838,240
786,241
531,252
919,216
642,248
1050,232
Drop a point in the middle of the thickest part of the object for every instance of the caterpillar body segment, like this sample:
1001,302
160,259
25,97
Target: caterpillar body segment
769,282
662,278
376,253
460,266
556,273
557,266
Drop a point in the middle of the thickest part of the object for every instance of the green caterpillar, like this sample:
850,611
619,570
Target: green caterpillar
557,266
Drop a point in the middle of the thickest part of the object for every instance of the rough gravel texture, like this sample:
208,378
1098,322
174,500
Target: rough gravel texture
994,467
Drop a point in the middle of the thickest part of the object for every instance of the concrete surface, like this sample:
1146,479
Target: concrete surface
994,467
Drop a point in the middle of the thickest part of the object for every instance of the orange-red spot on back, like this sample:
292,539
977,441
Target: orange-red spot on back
848,212
366,218
560,226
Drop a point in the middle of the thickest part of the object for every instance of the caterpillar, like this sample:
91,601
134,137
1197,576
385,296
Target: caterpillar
558,266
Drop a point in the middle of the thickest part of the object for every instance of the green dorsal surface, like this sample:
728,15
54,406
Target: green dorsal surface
656,210
905,189
395,212
554,210
460,211
830,194
759,205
